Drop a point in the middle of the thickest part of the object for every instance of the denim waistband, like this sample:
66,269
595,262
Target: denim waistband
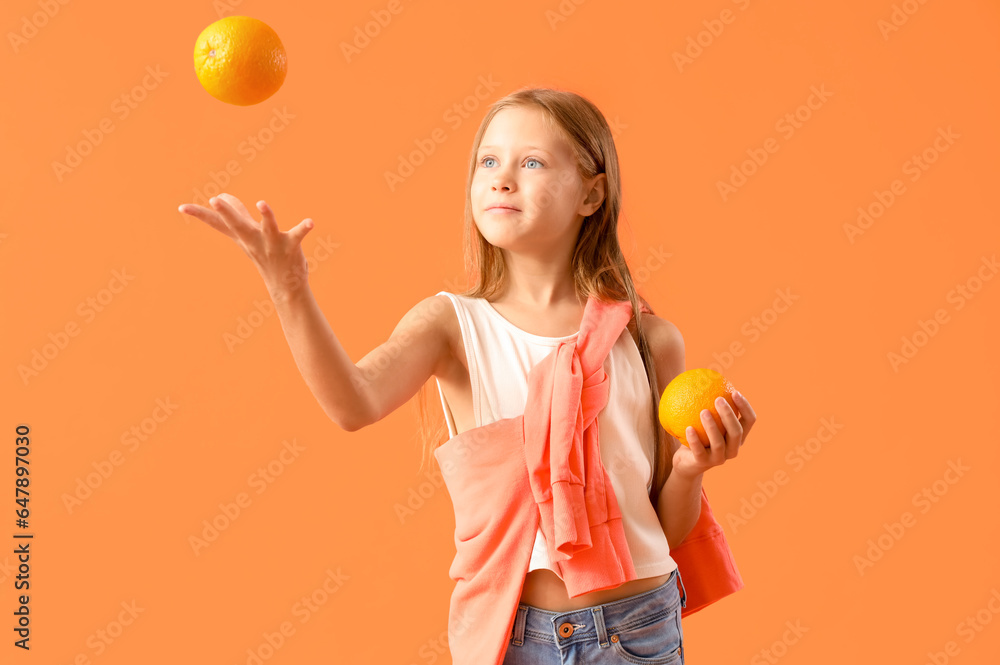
594,622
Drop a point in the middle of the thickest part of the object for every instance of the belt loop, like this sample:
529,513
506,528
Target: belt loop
602,633
519,621
683,590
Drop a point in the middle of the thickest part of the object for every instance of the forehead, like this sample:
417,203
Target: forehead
517,128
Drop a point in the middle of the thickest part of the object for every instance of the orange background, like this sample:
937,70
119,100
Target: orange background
335,506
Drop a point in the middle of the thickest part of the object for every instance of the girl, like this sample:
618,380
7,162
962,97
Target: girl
542,205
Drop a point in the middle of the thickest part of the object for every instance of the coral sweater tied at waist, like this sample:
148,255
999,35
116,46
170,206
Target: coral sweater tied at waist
580,518
543,470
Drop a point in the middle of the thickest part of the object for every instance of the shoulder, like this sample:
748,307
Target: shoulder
442,311
666,344
434,311
435,316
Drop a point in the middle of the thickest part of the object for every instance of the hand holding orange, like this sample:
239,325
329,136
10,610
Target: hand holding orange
687,395
240,60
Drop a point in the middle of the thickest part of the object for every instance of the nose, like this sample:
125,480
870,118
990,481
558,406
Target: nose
502,180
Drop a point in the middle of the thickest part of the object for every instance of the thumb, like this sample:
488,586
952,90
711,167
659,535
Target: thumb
299,231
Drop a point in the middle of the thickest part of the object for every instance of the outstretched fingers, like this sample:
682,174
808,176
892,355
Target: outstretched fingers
271,229
267,221
239,224
210,217
299,231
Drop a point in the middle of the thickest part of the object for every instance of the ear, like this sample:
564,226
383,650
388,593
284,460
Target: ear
596,189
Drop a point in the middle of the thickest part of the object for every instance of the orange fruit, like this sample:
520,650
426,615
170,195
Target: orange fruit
240,60
686,395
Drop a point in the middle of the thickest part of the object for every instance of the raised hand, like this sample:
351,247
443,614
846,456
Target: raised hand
276,254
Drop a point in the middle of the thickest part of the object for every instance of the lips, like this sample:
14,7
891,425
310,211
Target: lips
502,207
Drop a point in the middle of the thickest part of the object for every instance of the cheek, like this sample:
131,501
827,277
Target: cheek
480,189
547,198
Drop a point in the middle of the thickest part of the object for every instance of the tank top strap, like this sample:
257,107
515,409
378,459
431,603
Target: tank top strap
470,324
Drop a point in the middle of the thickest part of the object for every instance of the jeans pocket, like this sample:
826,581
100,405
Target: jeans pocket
657,642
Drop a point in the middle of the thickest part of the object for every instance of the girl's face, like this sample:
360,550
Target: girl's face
523,163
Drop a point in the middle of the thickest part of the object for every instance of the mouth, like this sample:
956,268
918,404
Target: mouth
502,209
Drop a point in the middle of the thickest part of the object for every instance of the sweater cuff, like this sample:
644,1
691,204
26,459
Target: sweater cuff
564,520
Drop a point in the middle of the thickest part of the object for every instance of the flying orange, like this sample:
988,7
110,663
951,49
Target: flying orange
240,60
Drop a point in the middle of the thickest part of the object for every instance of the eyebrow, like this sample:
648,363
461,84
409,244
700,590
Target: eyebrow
529,147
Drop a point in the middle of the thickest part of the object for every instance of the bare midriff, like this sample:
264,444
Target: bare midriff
543,589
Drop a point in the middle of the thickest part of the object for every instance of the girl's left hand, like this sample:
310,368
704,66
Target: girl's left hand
690,461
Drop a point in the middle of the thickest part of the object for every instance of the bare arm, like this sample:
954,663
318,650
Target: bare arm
353,396
679,505
324,364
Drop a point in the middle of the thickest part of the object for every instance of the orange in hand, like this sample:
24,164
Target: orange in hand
240,60
687,395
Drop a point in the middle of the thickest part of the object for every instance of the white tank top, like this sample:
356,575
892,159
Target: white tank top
500,355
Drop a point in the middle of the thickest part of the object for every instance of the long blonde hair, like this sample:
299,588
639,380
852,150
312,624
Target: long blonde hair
599,267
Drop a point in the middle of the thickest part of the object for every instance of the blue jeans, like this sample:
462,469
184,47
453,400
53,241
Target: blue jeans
644,628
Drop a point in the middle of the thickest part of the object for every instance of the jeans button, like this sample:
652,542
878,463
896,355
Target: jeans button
565,630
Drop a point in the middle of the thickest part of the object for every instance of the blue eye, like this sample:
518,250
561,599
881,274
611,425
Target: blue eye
529,159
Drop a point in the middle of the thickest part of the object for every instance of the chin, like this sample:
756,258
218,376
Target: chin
500,241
